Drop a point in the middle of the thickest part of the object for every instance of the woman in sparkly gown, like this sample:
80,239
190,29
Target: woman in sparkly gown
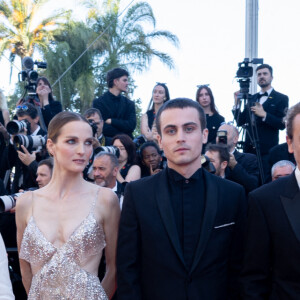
63,227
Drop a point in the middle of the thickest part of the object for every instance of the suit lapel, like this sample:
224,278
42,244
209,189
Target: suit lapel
166,212
211,207
291,204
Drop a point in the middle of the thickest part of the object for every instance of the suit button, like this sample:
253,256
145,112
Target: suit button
189,280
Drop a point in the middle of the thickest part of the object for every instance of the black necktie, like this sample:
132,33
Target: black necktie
262,95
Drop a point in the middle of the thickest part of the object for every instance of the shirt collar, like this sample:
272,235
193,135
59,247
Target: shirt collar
115,188
175,176
36,131
297,174
269,91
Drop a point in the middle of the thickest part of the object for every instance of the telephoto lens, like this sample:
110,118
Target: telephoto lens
8,202
15,126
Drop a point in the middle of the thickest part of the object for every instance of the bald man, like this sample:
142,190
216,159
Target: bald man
242,167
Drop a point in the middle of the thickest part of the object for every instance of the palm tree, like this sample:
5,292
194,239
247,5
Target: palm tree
77,87
127,44
20,32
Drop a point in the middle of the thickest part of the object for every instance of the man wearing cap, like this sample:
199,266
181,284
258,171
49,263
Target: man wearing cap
118,112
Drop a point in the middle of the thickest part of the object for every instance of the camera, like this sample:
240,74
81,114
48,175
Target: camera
35,142
222,137
94,126
15,126
110,149
139,141
8,202
29,74
245,72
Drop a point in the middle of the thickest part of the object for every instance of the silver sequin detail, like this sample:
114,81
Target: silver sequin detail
59,273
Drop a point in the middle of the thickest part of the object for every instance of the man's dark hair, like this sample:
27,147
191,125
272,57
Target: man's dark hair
31,111
92,111
115,74
181,103
129,147
221,149
212,99
290,116
265,66
112,157
48,162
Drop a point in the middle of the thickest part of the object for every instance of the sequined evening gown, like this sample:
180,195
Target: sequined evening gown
58,272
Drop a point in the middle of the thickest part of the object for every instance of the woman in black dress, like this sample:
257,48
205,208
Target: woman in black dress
206,99
160,95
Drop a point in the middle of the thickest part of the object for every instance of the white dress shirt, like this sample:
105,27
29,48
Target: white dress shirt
5,284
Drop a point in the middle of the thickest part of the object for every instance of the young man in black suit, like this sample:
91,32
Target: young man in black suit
272,258
268,108
118,112
181,230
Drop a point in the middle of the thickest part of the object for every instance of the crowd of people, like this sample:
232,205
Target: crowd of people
178,213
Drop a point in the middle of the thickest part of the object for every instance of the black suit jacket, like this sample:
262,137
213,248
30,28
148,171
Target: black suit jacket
246,171
280,152
276,106
150,263
272,258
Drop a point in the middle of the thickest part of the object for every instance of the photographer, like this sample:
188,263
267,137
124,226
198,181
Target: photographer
242,167
19,158
268,108
93,115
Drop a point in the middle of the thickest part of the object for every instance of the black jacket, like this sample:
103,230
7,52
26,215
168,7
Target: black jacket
120,110
246,171
276,106
272,251
150,260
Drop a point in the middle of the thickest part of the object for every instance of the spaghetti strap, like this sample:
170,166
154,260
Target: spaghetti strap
95,199
32,202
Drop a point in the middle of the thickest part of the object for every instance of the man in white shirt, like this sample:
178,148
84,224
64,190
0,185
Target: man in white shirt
272,257
105,170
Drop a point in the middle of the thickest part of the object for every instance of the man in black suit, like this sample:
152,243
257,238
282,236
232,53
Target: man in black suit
272,259
118,112
242,167
268,108
181,230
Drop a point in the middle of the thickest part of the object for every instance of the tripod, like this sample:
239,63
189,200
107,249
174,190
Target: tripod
252,134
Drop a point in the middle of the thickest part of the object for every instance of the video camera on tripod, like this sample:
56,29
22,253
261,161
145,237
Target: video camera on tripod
30,75
245,72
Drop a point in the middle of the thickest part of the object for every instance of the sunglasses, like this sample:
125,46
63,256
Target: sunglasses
227,123
22,107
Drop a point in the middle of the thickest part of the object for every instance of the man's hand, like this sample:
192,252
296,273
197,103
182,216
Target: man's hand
232,161
258,110
108,121
26,158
